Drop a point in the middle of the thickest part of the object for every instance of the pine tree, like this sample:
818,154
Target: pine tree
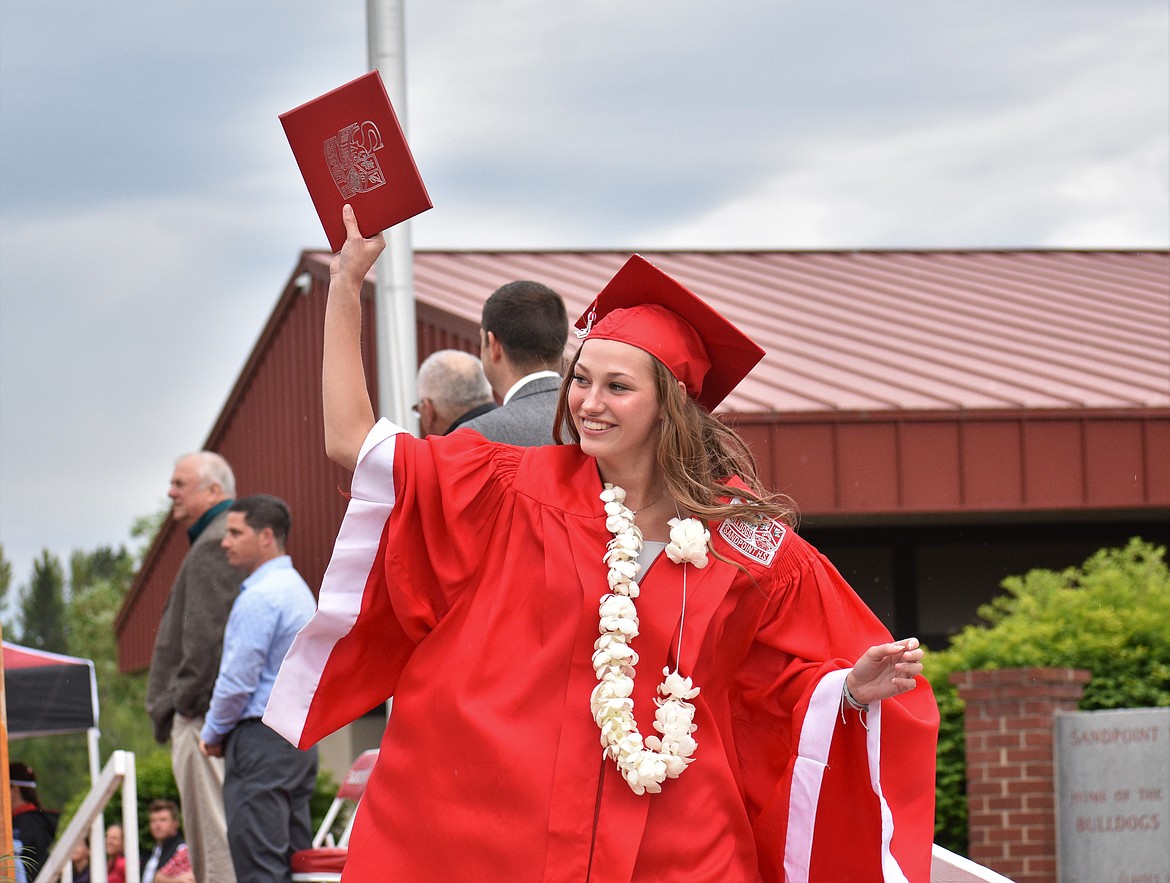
104,563
42,608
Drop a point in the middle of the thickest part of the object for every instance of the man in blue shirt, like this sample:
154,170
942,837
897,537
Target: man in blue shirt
268,782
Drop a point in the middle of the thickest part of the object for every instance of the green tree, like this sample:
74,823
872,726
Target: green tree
1108,616
98,584
93,608
102,564
42,607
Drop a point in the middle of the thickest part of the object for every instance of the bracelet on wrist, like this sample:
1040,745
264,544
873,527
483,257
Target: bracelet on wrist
849,698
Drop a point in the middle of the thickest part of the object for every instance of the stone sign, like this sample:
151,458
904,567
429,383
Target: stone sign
1113,796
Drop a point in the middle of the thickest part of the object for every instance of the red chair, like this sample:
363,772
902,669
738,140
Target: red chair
323,861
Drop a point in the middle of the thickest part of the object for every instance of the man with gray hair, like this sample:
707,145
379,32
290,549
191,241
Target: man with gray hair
187,652
452,389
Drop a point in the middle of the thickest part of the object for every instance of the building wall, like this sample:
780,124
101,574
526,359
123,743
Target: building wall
932,463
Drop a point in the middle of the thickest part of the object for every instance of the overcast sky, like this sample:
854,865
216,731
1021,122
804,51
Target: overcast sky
151,212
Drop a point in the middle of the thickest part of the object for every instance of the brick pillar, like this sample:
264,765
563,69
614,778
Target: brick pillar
1011,783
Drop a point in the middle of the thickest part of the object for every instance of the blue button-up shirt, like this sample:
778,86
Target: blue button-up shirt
274,603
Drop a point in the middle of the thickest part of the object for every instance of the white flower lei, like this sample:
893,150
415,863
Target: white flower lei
643,763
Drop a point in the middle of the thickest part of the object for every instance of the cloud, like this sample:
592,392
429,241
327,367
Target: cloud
1081,165
124,327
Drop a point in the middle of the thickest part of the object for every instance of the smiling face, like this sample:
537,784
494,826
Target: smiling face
613,403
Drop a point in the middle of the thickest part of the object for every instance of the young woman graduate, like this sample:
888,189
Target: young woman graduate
611,659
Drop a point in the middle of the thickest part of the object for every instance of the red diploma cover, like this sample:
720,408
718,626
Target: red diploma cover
350,148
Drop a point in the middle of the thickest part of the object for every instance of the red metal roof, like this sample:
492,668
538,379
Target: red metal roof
892,330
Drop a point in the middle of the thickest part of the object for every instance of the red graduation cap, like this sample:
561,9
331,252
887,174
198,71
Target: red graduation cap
646,308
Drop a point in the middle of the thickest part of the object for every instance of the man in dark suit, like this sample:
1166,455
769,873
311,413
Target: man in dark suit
522,344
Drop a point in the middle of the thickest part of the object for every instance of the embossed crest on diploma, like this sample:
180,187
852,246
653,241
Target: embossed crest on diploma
351,160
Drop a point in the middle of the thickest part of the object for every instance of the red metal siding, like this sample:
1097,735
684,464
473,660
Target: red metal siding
804,466
1054,477
848,465
992,465
867,466
1156,456
142,611
1114,458
928,462
438,330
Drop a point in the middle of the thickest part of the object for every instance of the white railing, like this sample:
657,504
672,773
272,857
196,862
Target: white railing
119,773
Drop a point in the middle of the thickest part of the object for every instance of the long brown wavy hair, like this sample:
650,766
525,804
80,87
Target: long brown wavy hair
697,455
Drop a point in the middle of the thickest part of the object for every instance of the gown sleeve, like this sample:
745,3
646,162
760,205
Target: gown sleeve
411,541
832,796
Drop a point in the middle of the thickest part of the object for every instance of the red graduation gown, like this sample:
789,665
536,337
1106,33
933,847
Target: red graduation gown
465,583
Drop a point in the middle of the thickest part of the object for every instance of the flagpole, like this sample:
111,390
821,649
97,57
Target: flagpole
397,350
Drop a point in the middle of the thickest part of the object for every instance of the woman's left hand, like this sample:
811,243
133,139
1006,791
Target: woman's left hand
885,670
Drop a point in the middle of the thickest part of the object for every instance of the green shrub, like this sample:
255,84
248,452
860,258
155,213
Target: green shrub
1108,616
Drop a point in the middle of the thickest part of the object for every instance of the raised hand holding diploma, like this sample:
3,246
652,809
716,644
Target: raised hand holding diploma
357,254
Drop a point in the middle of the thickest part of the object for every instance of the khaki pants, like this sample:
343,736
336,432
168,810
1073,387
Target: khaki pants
200,781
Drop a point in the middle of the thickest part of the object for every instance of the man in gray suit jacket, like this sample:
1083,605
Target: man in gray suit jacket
522,344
